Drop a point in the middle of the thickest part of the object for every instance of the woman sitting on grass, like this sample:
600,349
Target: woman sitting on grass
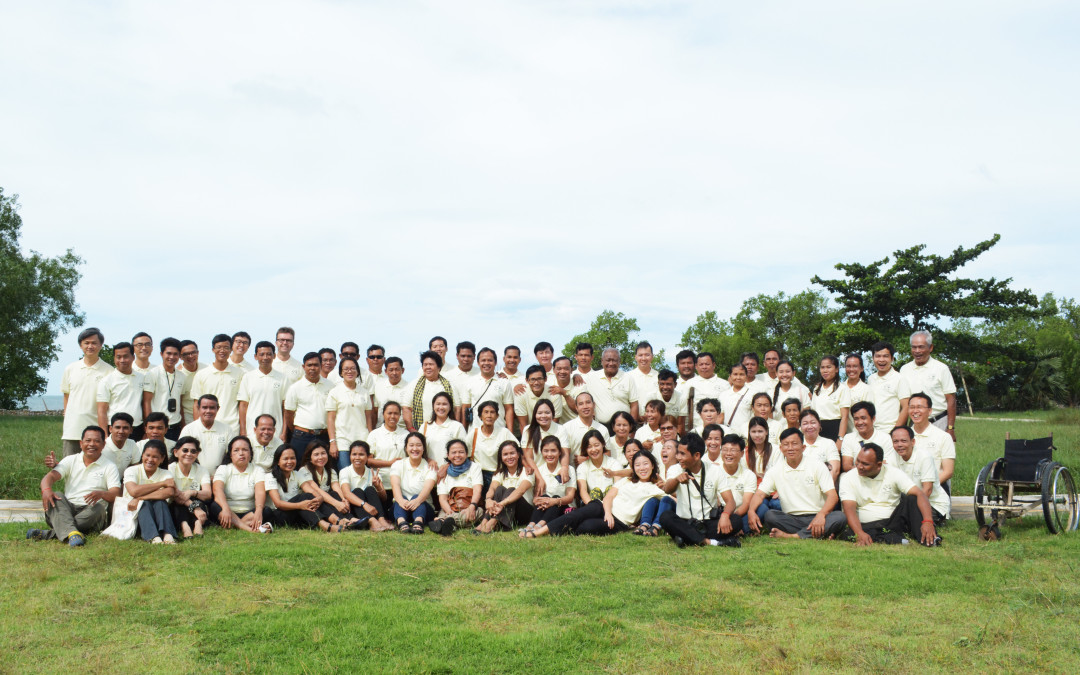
412,479
193,487
554,495
441,428
657,506
459,493
291,505
319,480
153,486
543,425
620,508
509,498
362,488
240,492
595,475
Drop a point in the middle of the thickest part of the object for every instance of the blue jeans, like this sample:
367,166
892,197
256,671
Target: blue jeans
765,507
423,513
650,513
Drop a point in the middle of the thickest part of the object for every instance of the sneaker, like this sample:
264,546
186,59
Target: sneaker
76,539
266,528
679,541
169,539
36,534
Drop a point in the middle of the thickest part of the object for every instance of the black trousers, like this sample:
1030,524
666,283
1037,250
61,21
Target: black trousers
546,515
589,519
298,518
513,514
174,432
830,429
371,496
905,522
690,532
180,514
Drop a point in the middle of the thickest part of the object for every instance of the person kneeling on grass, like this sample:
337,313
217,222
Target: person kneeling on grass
412,479
509,497
153,486
193,487
618,511
882,504
696,518
90,485
240,491
554,495
459,492
362,488
807,495
319,480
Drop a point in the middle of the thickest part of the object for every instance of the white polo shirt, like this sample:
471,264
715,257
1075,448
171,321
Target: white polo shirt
830,401
470,478
169,445
195,480
262,456
412,478
823,449
484,450
556,430
349,480
239,485
476,390
292,370
286,493
645,433
351,406
80,479
213,441
802,489
741,482
710,388
430,390
123,457
385,392
852,444
573,390
936,442
553,487
797,391
676,407
388,446
460,379
438,435
526,402
877,497
164,386
575,430
308,400
137,474
611,394
325,480
689,501
185,393
736,406
888,392
921,468
512,481
80,383
594,475
933,379
264,394
225,384
644,382
123,393
631,498
860,392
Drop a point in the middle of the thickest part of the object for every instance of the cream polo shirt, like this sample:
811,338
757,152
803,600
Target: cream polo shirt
710,388
123,457
186,401
852,444
385,392
430,390
388,446
631,498
263,455
195,480
676,407
524,403
308,400
291,489
513,480
877,497
137,474
921,468
691,502
351,406
830,401
594,475
644,382
611,394
80,479
888,392
240,485
575,430
80,383
264,394
740,483
802,489
553,487
515,379
937,443
822,449
796,391
460,379
164,386
736,407
412,478
860,392
350,480
475,390
484,450
292,370
933,379
471,477
213,441
438,435
775,456
245,366
644,433
123,393
556,430
567,413
169,445
324,480
225,384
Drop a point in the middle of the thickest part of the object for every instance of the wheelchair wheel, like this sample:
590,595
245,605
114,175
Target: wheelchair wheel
987,495
1059,500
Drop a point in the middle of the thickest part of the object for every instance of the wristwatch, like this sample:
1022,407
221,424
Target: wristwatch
950,427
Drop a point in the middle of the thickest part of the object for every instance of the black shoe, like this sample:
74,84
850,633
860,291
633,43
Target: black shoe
448,527
679,541
733,542
436,526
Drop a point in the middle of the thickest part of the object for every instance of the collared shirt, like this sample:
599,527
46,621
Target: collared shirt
475,390
575,430
645,382
197,477
889,391
831,400
123,393
937,442
385,392
742,481
690,502
484,450
797,391
137,474
239,485
876,498
165,386
933,379
308,400
611,394
224,384
736,406
123,457
81,479
853,443
460,378
213,441
921,468
351,406
802,489
594,475
262,456
525,403
292,369
388,446
80,383
186,401
676,407
472,477
710,388
264,394
245,366
631,498
349,480
411,479
285,492
823,449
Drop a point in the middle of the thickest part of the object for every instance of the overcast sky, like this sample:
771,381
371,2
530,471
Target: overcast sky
504,171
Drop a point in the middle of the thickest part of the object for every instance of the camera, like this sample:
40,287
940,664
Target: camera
172,405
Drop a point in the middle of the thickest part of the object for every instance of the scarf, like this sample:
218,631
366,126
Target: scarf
418,398
456,471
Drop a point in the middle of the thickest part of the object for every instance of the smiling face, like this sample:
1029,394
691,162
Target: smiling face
151,460
264,430
713,443
509,457
609,361
920,351
827,370
358,456
287,461
170,356
240,346
918,409
543,416
488,416
120,430
487,364
319,457
143,347
91,444
758,436
536,383
737,378
441,407
772,358
186,454
511,360
793,448
414,448
751,367
264,356
785,373
731,454
595,449
643,468
864,424
791,414
391,416
284,343
706,368
584,406
457,453
902,444
667,431
122,359
156,430
686,367
439,347
430,368
550,452
327,363
222,350
811,427
349,371
883,360
584,359
544,357
643,358
853,368
562,371
90,346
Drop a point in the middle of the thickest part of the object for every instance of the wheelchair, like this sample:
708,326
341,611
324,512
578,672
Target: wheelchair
1026,478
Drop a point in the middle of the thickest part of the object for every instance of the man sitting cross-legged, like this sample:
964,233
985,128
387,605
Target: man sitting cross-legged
882,504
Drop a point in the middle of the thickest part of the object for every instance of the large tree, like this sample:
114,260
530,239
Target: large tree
612,329
38,303
922,291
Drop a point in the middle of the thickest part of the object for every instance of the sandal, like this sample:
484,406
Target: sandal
529,534
641,530
654,531
403,527
417,528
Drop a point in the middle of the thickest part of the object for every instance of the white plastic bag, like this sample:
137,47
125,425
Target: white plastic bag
124,520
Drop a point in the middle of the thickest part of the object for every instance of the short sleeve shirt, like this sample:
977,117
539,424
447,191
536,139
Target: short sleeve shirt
553,485
323,480
388,446
80,479
742,481
195,480
471,477
308,400
513,481
239,485
631,498
802,489
933,379
351,406
291,489
412,478
213,441
264,394
225,384
80,382
166,386
594,475
877,497
830,401
137,474
350,480
484,450
888,392
690,502
853,444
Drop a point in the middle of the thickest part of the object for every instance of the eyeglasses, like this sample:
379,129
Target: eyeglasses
191,353
285,341
376,357
667,428
188,451
143,344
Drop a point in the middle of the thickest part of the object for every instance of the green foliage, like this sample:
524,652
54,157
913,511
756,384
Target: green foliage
612,329
919,291
803,327
38,304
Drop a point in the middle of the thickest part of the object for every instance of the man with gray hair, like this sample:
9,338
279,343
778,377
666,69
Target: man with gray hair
611,388
932,377
80,387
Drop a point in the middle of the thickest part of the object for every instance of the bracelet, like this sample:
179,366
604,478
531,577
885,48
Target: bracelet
928,521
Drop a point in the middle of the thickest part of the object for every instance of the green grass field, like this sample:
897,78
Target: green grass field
307,602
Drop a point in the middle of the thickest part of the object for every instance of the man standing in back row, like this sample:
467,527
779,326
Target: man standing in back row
932,377
80,387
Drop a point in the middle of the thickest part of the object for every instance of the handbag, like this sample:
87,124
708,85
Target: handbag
460,498
124,520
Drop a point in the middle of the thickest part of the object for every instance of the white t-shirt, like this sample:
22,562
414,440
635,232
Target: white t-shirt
239,485
412,478
137,474
388,446
164,386
80,383
888,392
471,477
631,498
802,489
264,393
80,479
553,487
933,379
225,384
877,497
